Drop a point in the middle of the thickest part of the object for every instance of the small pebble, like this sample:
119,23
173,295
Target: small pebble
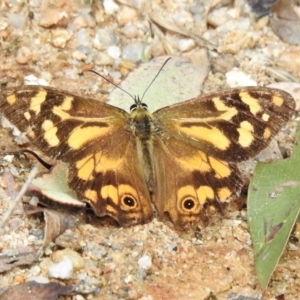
8,158
126,15
75,257
78,55
18,21
110,7
145,262
35,271
31,79
60,37
82,36
34,201
114,51
133,52
237,78
104,37
103,59
130,30
62,270
186,45
24,55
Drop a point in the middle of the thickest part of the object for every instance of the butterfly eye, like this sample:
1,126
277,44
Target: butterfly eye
129,201
133,107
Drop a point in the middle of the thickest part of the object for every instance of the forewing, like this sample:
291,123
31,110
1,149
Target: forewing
233,125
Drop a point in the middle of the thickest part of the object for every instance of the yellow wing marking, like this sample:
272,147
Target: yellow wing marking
80,136
66,104
204,193
27,115
229,112
111,192
30,134
50,133
91,195
37,100
85,168
98,163
223,194
265,117
197,159
278,101
246,136
211,135
267,133
253,103
107,163
221,167
11,99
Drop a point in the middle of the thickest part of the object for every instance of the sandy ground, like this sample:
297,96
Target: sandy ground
56,42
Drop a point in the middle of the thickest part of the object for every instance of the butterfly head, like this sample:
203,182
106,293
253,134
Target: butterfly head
138,105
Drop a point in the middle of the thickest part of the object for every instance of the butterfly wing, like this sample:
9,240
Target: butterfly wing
190,182
94,139
202,139
232,125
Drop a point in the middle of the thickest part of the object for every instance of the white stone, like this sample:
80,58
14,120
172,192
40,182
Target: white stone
133,52
8,158
110,7
145,262
236,78
186,45
62,269
33,80
114,51
34,201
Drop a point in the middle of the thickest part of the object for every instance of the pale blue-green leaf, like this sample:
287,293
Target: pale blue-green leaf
178,81
54,186
273,207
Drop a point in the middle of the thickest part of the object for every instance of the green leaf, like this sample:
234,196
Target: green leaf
273,207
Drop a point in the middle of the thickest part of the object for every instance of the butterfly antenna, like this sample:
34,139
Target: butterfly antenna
115,85
155,78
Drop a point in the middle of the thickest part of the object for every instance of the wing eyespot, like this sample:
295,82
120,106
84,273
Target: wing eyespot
189,204
129,202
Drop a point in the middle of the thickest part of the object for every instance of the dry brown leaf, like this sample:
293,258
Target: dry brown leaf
8,182
285,22
32,290
22,256
157,18
56,224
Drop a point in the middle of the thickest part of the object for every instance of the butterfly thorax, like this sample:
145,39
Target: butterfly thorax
142,123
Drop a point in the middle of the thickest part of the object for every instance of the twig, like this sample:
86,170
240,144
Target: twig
14,203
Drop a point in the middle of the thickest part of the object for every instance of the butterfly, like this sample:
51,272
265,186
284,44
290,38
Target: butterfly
183,158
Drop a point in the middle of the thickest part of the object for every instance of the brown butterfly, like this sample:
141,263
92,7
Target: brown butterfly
181,158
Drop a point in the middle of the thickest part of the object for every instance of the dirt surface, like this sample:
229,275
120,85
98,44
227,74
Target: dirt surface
55,43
